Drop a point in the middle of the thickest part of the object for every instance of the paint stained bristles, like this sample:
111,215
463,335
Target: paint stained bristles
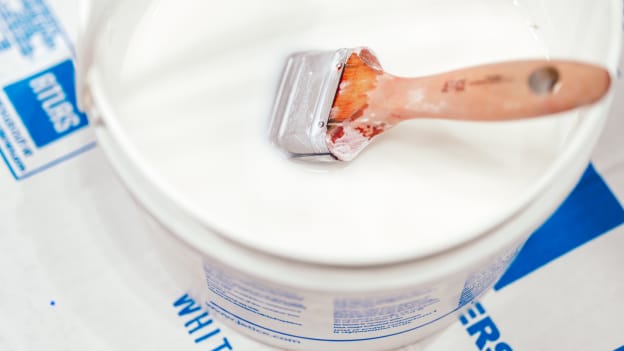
359,78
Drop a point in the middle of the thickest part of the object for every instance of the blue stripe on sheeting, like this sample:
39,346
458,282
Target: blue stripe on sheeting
590,211
621,348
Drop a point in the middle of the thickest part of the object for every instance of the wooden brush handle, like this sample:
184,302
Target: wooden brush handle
501,91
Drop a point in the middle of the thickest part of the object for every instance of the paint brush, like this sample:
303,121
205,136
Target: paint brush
331,105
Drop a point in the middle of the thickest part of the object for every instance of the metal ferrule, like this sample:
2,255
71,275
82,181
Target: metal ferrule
304,101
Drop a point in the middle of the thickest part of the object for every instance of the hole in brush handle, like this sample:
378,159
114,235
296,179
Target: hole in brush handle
544,80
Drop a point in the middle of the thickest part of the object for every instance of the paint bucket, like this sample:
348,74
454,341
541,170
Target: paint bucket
148,69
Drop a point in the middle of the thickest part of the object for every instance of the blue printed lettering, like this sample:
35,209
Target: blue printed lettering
54,102
189,305
503,347
22,25
46,104
225,346
12,154
199,322
15,132
483,327
487,331
207,336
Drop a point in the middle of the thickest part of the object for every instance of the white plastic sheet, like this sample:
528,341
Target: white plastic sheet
77,275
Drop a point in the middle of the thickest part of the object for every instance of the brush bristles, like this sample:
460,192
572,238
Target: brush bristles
351,102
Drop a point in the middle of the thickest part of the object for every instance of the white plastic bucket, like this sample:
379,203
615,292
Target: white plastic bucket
305,300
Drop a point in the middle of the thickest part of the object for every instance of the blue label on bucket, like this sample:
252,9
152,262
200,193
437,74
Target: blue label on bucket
28,25
40,124
46,104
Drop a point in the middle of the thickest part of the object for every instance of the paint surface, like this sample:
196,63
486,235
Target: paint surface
198,112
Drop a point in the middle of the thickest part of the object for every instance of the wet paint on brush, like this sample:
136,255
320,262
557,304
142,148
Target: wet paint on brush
349,127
